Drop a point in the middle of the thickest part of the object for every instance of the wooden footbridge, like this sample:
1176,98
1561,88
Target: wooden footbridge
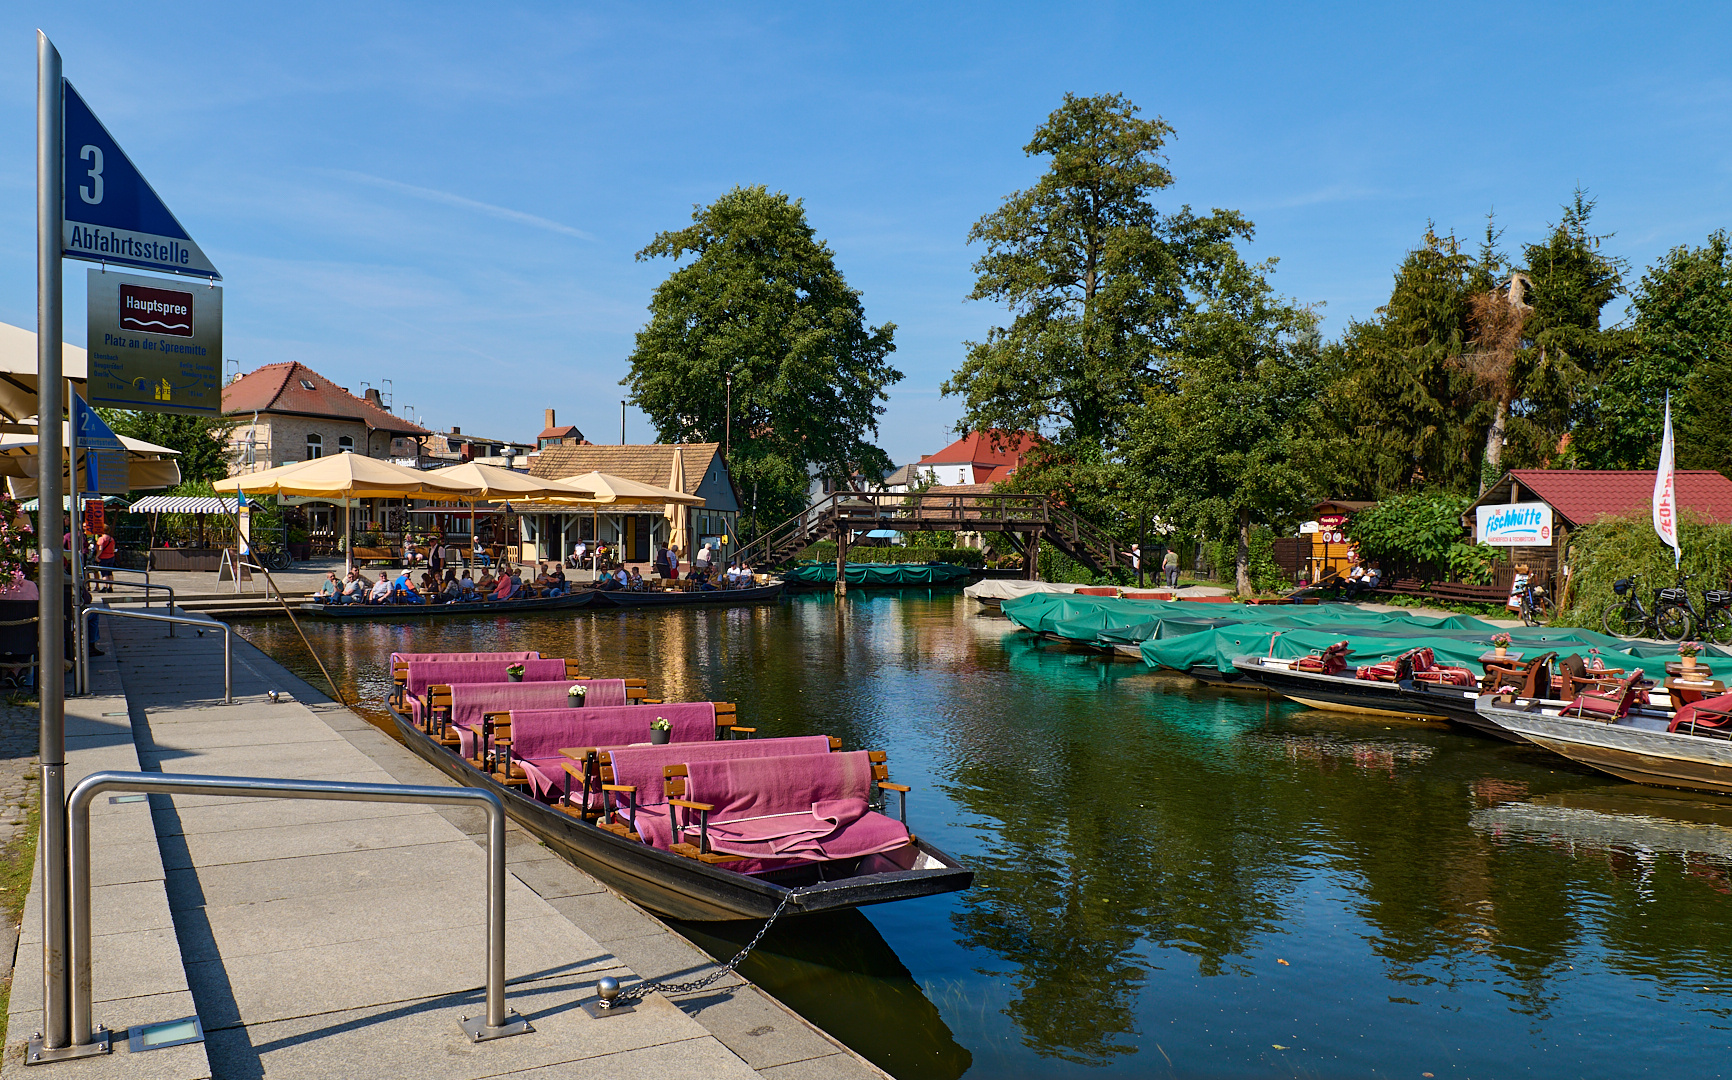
1025,519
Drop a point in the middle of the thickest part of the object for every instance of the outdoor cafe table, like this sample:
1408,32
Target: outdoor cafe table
1491,657
1687,692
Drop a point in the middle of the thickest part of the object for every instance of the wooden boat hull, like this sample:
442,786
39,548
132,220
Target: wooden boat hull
1407,700
398,612
683,888
1654,757
720,598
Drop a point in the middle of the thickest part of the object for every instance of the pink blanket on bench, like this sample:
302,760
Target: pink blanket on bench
408,657
545,732
809,807
425,673
469,701
641,766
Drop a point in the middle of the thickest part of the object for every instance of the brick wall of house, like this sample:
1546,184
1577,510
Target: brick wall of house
281,439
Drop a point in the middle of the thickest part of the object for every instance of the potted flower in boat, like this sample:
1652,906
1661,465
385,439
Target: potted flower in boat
1500,642
574,695
660,731
514,673
1687,651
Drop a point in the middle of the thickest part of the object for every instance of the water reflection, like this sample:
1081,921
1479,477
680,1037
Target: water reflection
1179,880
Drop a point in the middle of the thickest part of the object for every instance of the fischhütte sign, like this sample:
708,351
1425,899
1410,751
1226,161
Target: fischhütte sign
1515,525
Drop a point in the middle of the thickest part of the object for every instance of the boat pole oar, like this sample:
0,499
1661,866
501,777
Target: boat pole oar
281,599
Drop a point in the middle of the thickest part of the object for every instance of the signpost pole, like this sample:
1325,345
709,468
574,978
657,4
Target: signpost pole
51,689
75,495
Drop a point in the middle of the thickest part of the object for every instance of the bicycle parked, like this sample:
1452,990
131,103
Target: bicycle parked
1715,622
1672,619
1533,605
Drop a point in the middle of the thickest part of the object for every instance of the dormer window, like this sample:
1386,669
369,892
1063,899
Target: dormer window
307,384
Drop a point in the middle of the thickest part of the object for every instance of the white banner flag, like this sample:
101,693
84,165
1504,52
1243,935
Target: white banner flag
1666,492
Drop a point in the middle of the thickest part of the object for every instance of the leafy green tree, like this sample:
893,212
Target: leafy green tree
201,440
1568,282
1682,343
1096,281
1226,446
1402,407
761,298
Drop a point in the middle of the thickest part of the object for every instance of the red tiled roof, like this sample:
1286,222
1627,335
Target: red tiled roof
558,432
978,448
1582,495
284,388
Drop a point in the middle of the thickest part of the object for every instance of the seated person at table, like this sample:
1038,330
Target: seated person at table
635,580
543,580
558,578
354,589
621,578
578,552
487,584
429,586
738,576
403,590
329,589
1355,583
701,579
507,587
466,586
452,591
381,590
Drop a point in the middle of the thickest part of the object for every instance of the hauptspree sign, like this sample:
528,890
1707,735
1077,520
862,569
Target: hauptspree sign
1515,525
155,344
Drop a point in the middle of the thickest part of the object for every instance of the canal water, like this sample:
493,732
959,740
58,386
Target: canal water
1178,881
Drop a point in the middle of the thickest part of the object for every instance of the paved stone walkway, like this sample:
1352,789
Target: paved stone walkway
332,939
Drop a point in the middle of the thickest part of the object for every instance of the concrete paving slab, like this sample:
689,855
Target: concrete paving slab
240,883
695,1059
606,916
552,878
240,731
237,815
294,841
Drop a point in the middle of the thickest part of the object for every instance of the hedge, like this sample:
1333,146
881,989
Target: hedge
1620,547
825,551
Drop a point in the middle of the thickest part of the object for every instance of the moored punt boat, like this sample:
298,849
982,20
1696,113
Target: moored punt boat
1635,742
683,885
878,574
1346,692
395,612
626,598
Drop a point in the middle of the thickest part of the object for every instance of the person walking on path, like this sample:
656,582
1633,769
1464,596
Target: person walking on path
107,553
1170,568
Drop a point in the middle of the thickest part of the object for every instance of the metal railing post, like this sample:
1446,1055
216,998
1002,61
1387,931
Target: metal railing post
497,1023
173,620
145,585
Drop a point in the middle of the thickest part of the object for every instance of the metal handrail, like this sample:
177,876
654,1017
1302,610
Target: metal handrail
202,624
145,585
495,1025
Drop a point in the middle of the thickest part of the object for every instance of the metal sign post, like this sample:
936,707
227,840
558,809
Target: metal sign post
110,214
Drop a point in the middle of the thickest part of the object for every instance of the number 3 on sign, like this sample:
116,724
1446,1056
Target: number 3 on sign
92,193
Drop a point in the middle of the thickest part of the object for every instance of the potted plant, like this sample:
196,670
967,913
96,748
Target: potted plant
574,695
1500,642
514,673
660,731
1687,651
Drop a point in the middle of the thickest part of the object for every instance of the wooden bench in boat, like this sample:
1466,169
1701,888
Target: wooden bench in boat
675,781
593,767
496,733
400,681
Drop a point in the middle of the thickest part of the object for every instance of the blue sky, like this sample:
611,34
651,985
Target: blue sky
450,196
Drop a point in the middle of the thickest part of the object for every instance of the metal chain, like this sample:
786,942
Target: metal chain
642,990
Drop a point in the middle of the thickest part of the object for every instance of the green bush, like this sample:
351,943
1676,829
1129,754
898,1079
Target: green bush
1422,530
825,551
1620,547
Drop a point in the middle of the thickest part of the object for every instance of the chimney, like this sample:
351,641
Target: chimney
455,430
549,423
373,397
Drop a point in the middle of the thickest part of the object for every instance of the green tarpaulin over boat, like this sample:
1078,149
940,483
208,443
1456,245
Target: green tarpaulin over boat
1218,647
1088,618
879,574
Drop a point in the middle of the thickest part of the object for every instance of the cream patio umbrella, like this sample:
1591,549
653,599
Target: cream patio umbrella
494,483
613,490
345,477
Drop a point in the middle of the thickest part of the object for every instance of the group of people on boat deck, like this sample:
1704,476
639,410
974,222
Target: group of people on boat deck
510,584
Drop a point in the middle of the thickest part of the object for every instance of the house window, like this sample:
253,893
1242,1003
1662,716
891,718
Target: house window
315,445
345,444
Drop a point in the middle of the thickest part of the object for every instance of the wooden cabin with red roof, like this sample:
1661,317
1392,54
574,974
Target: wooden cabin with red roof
1570,498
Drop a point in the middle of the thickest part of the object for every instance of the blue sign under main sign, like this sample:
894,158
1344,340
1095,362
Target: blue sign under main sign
92,431
112,213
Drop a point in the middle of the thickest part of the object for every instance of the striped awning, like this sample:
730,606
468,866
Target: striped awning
183,504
